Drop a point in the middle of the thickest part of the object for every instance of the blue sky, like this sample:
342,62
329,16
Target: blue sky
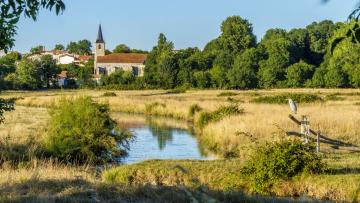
188,23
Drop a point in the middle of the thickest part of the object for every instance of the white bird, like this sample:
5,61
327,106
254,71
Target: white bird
293,106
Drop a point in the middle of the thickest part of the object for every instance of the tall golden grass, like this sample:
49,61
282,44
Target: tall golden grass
261,122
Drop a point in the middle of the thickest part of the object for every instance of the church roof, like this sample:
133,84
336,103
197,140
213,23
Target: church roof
100,38
122,58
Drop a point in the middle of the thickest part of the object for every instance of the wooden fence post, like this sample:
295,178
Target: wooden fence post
305,128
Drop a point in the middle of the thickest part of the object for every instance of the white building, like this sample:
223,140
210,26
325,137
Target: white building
61,57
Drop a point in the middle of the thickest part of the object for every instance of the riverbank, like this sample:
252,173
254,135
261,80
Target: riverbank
335,115
34,179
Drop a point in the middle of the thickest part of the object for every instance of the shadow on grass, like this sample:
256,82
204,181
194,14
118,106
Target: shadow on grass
343,171
16,153
79,190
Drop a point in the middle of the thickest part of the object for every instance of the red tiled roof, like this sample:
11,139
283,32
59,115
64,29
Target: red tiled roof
85,58
122,58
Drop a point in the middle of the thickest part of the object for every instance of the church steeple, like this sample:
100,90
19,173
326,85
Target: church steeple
99,44
100,38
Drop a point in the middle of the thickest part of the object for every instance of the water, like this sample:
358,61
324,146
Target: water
161,139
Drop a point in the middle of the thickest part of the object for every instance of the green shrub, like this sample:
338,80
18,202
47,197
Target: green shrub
280,161
194,109
109,94
227,94
82,131
215,116
149,108
283,98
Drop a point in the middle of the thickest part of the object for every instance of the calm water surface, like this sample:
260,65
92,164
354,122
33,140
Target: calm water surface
159,140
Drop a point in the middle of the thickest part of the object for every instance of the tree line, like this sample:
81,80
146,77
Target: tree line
301,57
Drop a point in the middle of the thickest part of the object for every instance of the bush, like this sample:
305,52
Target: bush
149,108
283,98
280,161
82,131
222,112
109,94
194,109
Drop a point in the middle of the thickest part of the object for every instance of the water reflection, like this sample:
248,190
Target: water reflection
160,138
163,134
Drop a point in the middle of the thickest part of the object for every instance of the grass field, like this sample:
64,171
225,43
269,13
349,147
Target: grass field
336,115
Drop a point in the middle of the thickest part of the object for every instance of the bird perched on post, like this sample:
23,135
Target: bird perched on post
293,106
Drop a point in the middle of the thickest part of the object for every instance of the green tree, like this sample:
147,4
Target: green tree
162,50
37,49
59,47
84,74
82,47
47,70
82,131
8,63
72,47
318,79
121,48
27,75
221,66
168,71
202,79
300,40
320,33
351,64
237,35
244,72
11,11
299,73
272,70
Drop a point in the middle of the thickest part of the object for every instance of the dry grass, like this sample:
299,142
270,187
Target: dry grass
47,181
261,122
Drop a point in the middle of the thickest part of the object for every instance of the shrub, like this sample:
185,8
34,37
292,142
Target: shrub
82,131
194,109
280,161
215,116
283,98
109,94
227,94
178,90
149,108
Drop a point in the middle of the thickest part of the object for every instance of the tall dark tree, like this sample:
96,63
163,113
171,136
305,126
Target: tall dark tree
244,72
320,33
272,70
48,70
161,51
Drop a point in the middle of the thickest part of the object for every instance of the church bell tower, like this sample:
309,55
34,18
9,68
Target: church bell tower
100,44
99,50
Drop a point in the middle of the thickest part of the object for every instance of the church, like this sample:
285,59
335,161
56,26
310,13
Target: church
107,64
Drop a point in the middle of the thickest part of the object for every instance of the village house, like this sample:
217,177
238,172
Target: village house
107,64
62,57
